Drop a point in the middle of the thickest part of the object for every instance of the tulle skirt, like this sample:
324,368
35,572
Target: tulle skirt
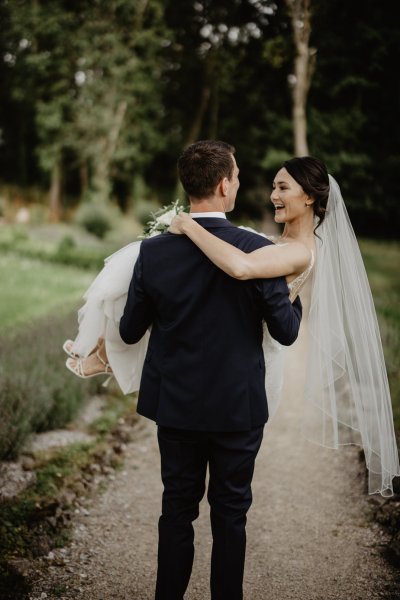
99,317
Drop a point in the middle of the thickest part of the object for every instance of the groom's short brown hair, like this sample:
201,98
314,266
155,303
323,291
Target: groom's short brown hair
203,165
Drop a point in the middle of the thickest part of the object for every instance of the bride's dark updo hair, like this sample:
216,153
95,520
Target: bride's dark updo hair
312,174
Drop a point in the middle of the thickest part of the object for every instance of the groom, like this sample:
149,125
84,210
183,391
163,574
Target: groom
203,378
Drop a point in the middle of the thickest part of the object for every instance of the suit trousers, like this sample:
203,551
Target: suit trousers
185,456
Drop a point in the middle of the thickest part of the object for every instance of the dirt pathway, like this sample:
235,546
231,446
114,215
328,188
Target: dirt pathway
310,536
308,532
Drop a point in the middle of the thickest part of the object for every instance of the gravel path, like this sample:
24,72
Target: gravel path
310,532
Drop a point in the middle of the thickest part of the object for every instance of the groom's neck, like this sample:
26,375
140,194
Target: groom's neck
207,205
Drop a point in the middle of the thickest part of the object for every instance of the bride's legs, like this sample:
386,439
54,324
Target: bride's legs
94,364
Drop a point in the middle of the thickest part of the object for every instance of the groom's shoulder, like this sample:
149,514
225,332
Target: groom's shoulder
247,240
158,240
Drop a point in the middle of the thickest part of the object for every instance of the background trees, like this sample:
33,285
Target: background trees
98,99
352,108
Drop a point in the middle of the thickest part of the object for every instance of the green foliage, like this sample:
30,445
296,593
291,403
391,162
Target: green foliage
58,466
39,518
113,412
143,209
103,94
352,113
95,218
36,391
382,261
35,288
17,242
66,245
26,519
82,258
274,159
275,51
81,77
161,219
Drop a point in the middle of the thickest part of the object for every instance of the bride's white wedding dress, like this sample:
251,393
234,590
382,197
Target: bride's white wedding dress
104,305
99,317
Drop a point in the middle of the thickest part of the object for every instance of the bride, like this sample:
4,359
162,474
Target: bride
346,397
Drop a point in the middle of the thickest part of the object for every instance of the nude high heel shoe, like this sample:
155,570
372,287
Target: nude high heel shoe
77,366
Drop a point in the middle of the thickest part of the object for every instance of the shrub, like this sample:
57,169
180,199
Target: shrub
96,218
68,253
144,209
38,214
37,392
66,244
17,241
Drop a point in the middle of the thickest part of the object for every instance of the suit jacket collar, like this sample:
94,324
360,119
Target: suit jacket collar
213,222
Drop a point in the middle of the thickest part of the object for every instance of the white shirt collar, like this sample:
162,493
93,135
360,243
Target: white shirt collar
214,215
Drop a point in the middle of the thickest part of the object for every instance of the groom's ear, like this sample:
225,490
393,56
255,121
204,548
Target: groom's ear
224,186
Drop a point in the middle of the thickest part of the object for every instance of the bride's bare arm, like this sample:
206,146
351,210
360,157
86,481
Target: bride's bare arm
269,261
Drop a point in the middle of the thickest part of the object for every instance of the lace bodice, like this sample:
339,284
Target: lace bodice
297,283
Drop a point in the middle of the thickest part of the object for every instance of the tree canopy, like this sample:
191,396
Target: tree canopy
98,96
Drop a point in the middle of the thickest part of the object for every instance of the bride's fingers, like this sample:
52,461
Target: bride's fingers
178,222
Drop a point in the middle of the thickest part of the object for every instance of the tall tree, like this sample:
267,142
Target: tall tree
90,74
354,100
304,64
84,98
118,95
227,79
39,42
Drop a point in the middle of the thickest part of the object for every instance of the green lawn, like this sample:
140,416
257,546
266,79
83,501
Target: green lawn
382,261
31,289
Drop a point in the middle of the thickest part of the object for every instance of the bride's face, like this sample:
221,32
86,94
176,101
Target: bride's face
289,198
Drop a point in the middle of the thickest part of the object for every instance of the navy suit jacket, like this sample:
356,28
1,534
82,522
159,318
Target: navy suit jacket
204,368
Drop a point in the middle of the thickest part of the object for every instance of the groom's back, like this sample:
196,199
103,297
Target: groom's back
204,368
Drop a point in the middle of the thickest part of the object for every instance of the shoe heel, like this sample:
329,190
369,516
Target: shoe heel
107,381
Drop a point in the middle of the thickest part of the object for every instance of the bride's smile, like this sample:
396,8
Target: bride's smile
289,199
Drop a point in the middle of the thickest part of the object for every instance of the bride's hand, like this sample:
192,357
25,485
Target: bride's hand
179,222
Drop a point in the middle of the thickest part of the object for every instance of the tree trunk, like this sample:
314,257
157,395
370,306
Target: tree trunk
214,111
84,178
199,116
101,176
304,64
140,10
55,192
205,94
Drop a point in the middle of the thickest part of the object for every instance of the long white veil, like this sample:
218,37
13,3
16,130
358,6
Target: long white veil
347,398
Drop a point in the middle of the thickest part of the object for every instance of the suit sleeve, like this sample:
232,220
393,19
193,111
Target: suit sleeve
282,317
138,313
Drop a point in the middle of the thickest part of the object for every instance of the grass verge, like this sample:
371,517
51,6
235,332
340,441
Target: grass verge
382,260
34,288
40,518
37,392
63,244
